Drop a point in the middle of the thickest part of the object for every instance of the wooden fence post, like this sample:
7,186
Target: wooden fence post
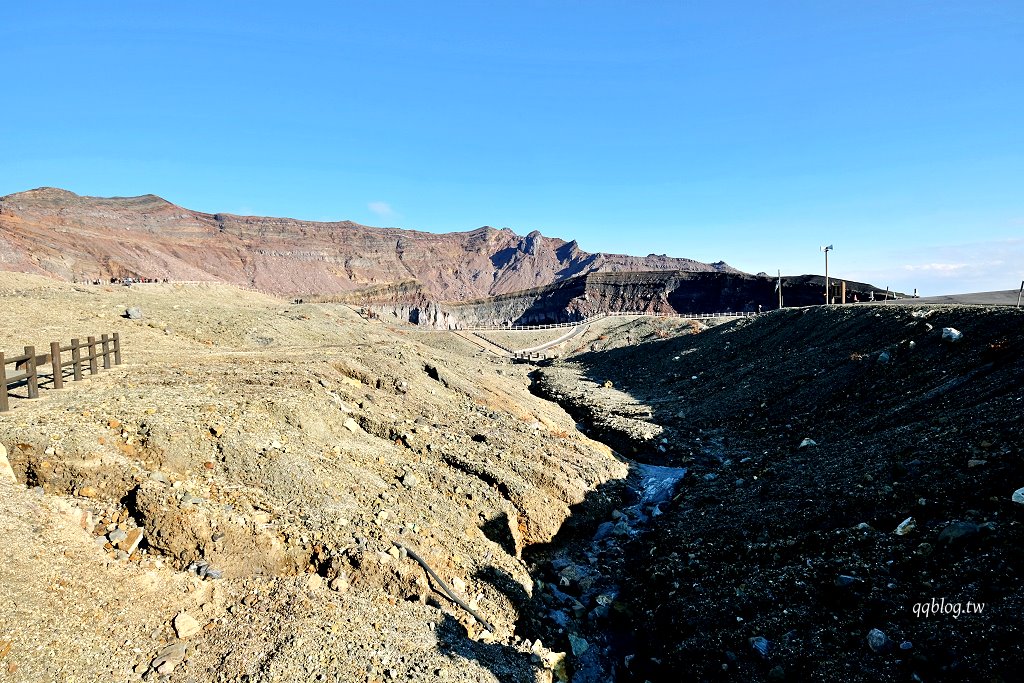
58,371
32,376
117,348
76,359
92,356
4,407
106,350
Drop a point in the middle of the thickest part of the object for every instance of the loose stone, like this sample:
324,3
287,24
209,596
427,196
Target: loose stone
877,641
186,626
906,526
760,644
169,657
6,471
1018,496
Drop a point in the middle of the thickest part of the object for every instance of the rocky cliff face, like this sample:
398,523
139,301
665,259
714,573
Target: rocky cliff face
58,233
577,298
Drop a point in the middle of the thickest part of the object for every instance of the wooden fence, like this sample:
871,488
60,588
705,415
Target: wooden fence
107,349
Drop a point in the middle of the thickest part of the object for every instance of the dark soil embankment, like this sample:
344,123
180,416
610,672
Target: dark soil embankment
776,561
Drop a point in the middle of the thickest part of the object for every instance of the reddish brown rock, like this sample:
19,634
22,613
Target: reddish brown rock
54,232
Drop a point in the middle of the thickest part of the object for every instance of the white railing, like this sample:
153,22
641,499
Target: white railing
599,316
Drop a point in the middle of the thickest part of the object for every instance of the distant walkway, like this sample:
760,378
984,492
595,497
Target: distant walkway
484,344
537,352
601,316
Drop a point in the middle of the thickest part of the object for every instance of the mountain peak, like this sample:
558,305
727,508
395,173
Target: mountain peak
73,237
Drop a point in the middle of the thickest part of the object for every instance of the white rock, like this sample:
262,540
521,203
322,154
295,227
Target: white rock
808,442
1018,496
351,425
186,626
906,526
6,472
951,334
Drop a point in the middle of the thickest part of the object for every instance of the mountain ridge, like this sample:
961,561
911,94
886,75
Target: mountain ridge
55,232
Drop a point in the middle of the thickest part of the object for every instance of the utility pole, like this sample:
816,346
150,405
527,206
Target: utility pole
1019,293
826,250
778,288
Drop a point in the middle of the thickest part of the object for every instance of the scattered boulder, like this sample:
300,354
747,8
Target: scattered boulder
130,543
6,472
1018,496
186,626
807,443
203,570
169,657
579,645
133,313
906,526
951,334
761,645
958,532
878,641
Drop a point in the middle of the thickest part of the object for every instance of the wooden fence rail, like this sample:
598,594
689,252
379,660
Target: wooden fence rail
27,366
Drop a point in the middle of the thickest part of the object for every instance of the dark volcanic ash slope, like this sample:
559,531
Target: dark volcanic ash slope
58,233
798,546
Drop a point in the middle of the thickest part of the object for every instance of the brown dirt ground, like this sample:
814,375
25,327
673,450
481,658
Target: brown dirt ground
288,446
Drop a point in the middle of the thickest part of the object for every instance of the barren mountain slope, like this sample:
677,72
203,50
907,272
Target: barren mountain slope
58,233
851,482
286,449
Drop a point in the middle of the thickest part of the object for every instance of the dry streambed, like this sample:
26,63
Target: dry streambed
846,467
230,499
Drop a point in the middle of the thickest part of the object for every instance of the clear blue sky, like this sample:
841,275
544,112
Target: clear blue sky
751,132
